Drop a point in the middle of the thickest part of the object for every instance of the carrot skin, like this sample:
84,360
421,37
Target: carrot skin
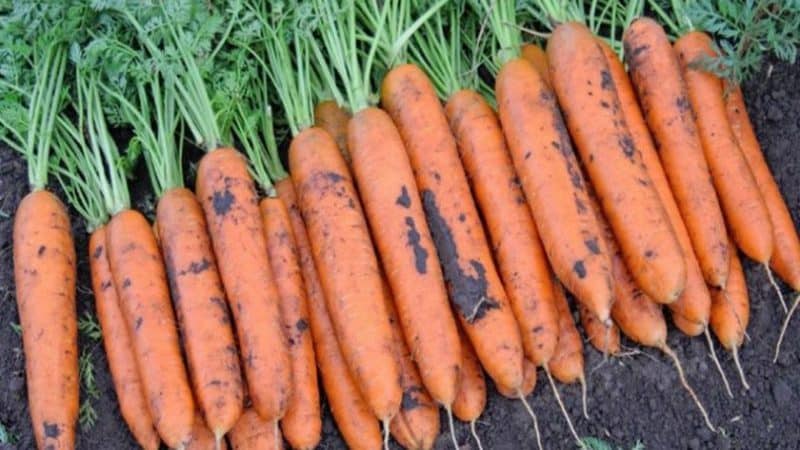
334,119
336,226
44,275
141,281
692,308
302,423
118,346
228,196
476,291
201,309
471,398
588,96
567,363
604,338
252,432
518,251
662,93
785,259
406,250
742,203
203,438
538,57
528,383
354,419
730,309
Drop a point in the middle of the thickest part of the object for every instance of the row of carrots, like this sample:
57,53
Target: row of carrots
410,247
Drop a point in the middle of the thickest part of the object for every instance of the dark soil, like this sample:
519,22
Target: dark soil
634,398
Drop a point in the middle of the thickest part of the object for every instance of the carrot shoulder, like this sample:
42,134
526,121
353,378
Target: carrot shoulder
139,275
536,56
656,75
588,95
44,275
518,251
334,119
118,346
476,291
228,196
348,268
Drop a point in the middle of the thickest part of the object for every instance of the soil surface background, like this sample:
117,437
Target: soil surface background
633,398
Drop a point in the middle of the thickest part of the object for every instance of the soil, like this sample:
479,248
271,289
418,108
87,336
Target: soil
632,398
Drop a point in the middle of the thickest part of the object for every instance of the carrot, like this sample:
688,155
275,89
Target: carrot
203,438
118,346
138,273
536,56
691,310
604,338
730,313
656,75
567,364
251,432
302,424
518,251
471,398
785,259
587,93
332,118
528,383
742,203
416,425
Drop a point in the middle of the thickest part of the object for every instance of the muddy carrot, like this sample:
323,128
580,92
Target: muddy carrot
118,346
332,118
662,93
587,93
251,432
690,311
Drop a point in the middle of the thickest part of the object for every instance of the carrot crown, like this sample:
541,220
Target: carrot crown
502,23
604,17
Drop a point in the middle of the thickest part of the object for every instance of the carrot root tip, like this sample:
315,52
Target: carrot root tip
739,368
783,329
475,434
584,396
449,411
713,355
533,417
775,286
563,408
386,433
669,352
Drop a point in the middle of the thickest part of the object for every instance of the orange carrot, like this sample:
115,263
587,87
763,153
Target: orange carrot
471,398
604,338
475,287
201,309
336,226
730,313
742,203
203,438
518,251
528,383
566,365
691,309
44,276
227,194
118,347
656,75
400,232
138,273
536,56
332,118
302,424
587,93
251,432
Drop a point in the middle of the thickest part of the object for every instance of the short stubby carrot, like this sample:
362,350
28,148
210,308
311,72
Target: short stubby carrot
201,309
786,252
554,185
228,196
355,421
566,365
141,281
332,118
742,203
588,96
302,423
251,432
536,56
44,275
656,75
395,214
118,346
690,311
348,268
476,292
203,438
603,337
512,233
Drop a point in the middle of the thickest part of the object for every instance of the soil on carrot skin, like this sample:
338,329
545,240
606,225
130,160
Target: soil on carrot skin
631,398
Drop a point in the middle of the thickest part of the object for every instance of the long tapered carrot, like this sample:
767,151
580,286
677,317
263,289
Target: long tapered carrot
741,200
691,309
118,347
227,194
662,93
332,118
138,272
520,258
201,309
587,93
336,227
730,313
785,259
44,276
302,423
251,432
